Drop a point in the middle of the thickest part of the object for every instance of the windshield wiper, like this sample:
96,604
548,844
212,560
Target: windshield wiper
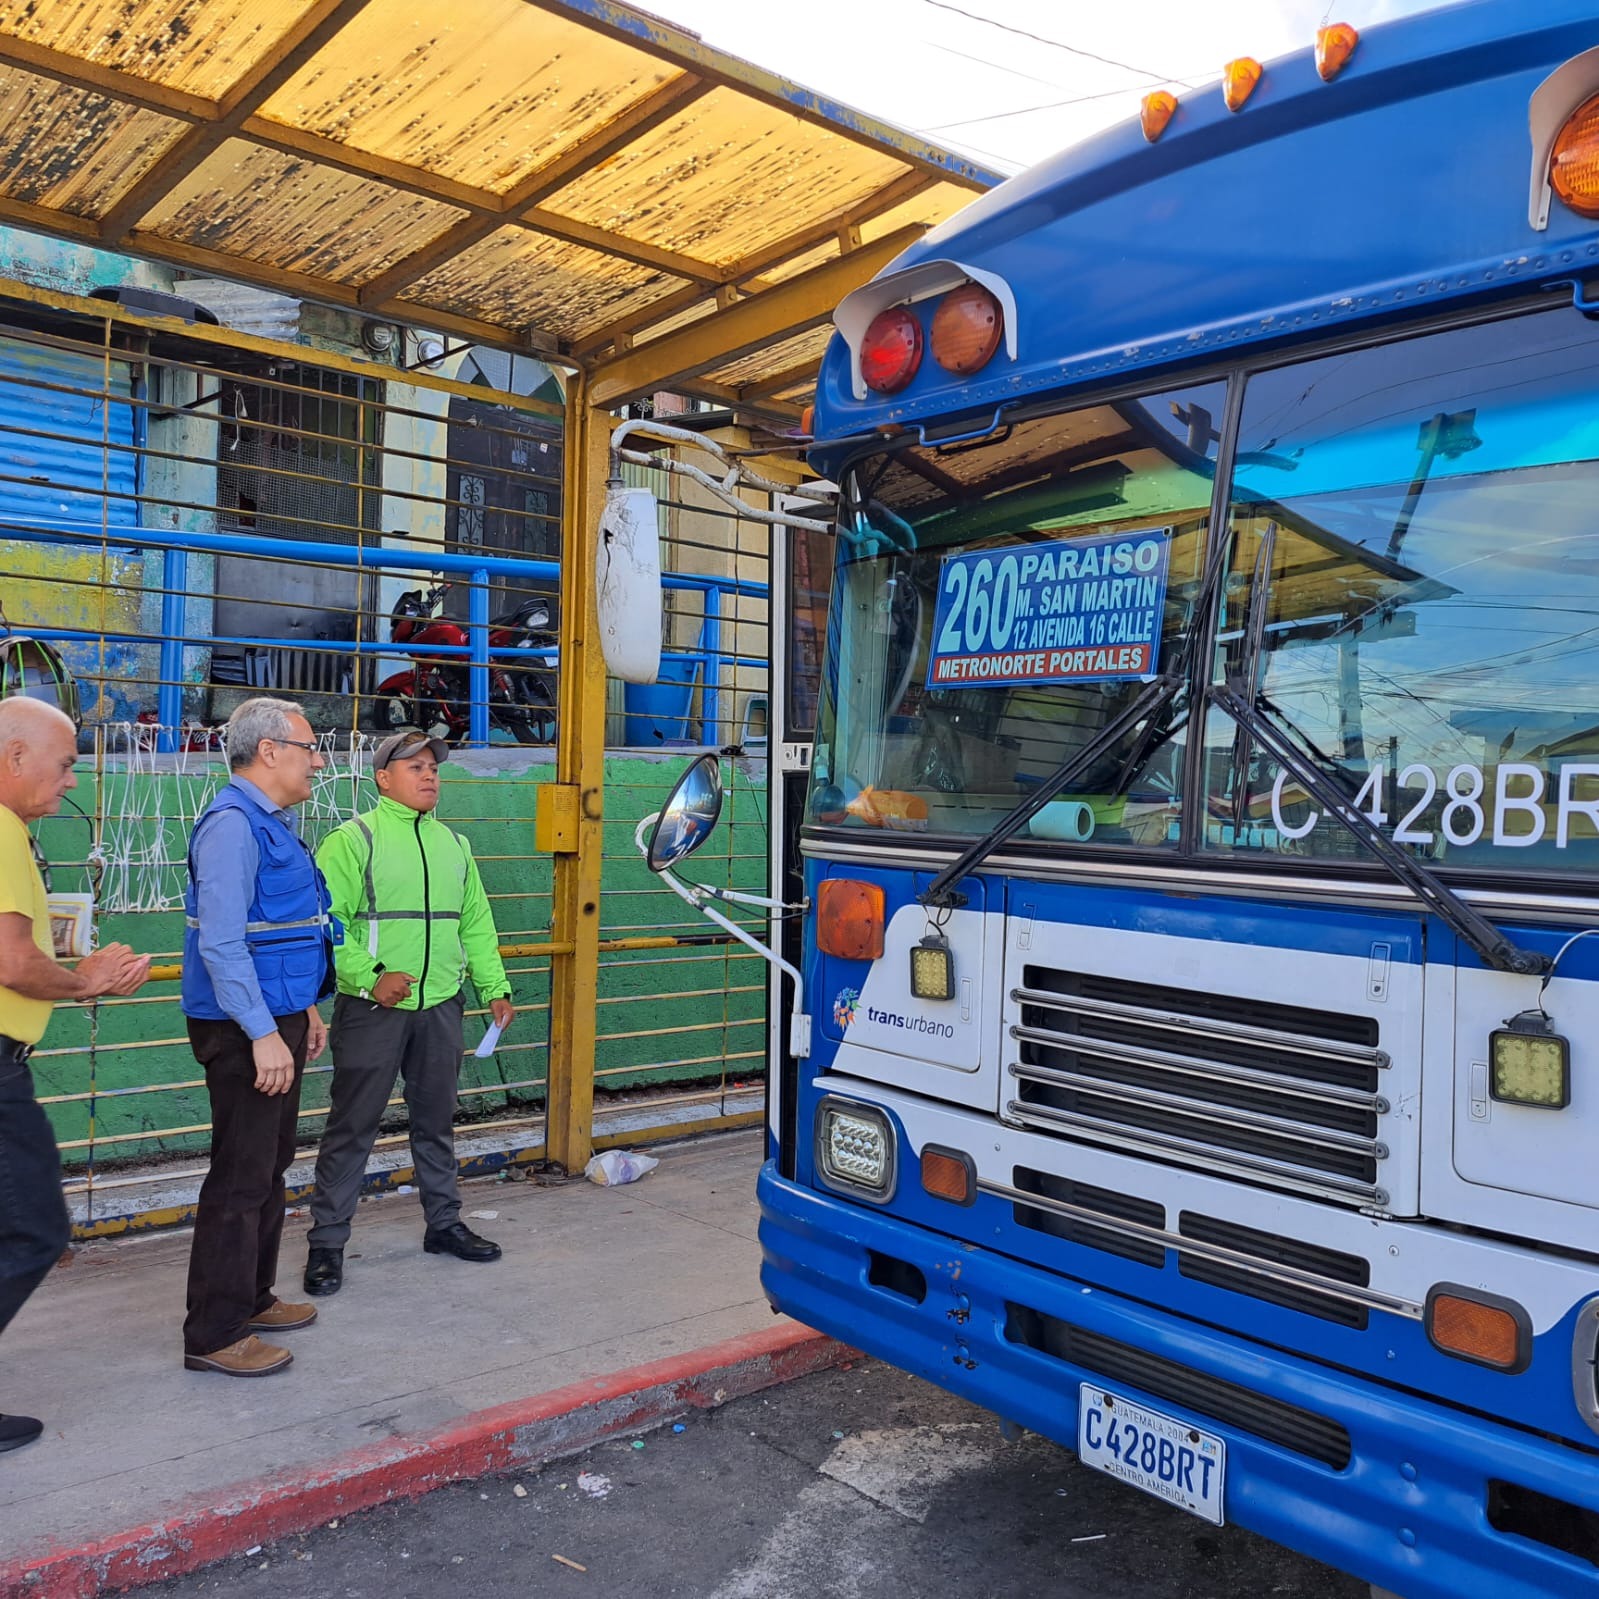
1156,696
1497,951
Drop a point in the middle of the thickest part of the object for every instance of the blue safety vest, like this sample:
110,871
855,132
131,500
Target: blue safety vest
287,927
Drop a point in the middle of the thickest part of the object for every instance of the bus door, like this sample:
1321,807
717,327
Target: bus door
801,583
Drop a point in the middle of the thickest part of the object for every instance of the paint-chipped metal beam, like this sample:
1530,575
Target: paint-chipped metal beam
746,274
702,388
645,114
778,383
78,72
778,313
314,27
46,219
624,247
618,334
399,175
323,291
668,43
14,293
642,117
843,221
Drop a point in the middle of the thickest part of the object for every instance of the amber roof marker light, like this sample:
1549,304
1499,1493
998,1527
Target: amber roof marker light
1334,45
1239,80
1155,110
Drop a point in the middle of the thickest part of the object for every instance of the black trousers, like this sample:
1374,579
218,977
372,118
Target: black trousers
34,1228
372,1045
239,1223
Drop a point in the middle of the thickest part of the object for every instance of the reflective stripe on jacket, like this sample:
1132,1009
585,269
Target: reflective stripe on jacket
411,900
286,928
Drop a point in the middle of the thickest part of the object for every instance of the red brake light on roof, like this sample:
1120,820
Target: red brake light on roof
891,351
967,328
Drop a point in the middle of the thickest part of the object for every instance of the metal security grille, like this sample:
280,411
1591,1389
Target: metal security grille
1288,1097
194,517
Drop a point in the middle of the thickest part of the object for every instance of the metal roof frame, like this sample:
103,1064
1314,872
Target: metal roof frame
572,178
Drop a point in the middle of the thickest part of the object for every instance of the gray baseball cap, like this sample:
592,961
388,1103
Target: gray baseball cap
410,741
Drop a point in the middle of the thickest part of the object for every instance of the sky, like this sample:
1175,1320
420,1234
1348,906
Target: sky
1010,81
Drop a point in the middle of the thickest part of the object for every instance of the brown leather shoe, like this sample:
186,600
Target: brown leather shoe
282,1317
247,1358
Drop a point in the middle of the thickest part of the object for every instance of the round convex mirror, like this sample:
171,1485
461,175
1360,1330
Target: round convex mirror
690,812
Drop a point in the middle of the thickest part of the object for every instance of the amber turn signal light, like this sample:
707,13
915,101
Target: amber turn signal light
849,919
1334,45
967,328
1574,162
1239,80
1479,1327
949,1174
1155,110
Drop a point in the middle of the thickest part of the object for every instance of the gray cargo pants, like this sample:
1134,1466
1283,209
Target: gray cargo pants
372,1045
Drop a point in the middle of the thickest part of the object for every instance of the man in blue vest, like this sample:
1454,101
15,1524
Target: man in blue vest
257,956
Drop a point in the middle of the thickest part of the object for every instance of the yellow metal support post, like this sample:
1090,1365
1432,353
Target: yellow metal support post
579,767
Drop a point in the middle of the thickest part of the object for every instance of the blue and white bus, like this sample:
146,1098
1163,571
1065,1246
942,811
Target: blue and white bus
1202,828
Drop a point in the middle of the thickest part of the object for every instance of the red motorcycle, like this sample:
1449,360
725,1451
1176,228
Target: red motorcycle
435,693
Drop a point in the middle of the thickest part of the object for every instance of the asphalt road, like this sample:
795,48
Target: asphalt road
853,1484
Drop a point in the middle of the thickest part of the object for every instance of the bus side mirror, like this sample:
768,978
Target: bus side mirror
685,821
628,583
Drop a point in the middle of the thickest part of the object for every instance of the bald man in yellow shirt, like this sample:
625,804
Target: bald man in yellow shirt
38,746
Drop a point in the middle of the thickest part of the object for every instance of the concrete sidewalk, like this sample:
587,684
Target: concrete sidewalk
400,1367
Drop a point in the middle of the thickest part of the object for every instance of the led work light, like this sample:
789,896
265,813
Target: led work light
1530,1063
933,968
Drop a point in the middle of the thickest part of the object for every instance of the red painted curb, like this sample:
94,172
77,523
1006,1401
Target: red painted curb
527,1432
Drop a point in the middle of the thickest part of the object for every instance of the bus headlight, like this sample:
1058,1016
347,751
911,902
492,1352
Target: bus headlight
855,1148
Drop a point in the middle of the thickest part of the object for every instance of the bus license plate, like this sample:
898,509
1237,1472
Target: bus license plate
1164,1457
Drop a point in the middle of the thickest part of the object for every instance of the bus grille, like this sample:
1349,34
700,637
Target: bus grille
1278,1422
1280,1095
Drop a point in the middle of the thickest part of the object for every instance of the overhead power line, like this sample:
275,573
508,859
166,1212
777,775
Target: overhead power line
1056,44
1028,110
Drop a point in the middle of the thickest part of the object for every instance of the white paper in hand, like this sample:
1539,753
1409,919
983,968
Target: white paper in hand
490,1039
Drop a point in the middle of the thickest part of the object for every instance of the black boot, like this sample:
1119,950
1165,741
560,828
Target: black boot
459,1240
15,1431
324,1271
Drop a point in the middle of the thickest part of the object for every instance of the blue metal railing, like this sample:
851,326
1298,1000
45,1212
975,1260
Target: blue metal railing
479,569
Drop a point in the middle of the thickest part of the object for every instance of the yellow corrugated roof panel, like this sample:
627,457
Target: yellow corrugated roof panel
480,93
527,280
73,149
568,176
197,48
279,211
724,180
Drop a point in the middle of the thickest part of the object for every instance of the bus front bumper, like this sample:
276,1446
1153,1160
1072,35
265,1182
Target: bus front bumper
1407,1509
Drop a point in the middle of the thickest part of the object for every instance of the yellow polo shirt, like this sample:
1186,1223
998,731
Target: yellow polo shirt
22,894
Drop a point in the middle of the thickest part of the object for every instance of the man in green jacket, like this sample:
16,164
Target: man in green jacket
417,924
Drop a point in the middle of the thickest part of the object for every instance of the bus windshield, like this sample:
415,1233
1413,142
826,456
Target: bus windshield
1414,539
996,606
1411,587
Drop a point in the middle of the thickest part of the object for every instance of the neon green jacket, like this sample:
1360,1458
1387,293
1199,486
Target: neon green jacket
432,916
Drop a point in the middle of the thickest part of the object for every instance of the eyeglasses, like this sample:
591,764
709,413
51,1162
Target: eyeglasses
300,744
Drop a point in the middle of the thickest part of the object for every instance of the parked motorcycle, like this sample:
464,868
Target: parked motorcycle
435,693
